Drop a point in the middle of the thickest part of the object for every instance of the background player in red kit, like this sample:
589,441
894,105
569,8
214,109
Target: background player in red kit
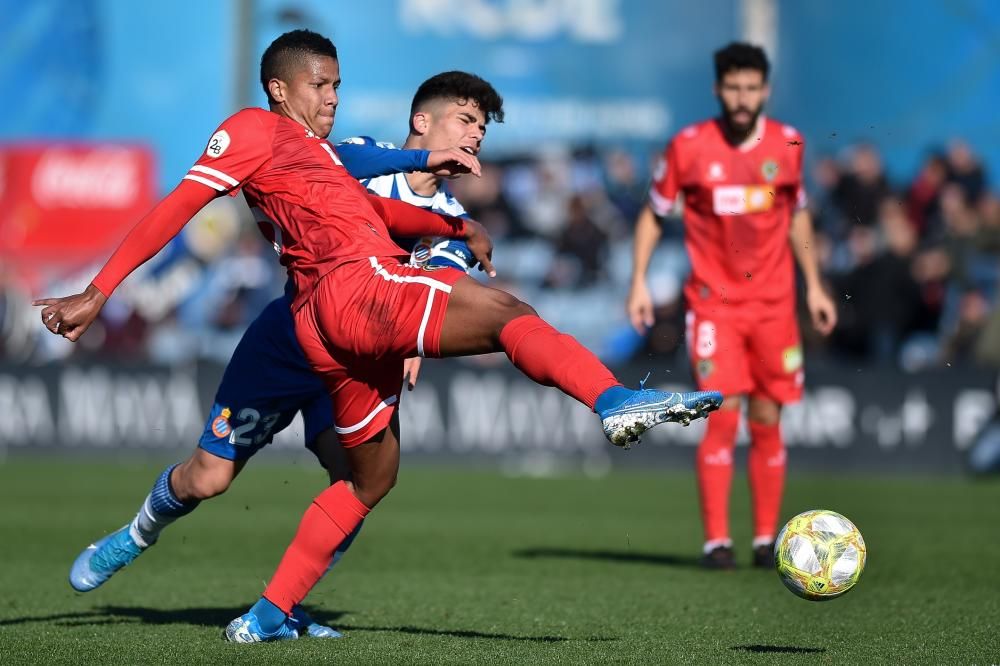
740,177
359,309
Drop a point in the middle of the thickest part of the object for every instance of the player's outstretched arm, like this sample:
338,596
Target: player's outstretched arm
405,220
822,309
364,158
71,316
639,305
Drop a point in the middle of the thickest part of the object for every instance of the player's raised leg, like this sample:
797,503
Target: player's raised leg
481,320
176,492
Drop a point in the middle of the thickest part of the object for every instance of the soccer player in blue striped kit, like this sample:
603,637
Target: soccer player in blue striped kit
268,380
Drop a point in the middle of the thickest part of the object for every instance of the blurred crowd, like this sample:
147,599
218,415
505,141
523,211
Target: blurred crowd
913,264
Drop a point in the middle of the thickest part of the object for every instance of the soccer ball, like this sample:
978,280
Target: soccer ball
819,555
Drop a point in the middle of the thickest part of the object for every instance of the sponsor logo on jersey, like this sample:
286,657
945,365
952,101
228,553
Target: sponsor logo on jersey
742,199
220,424
217,144
792,358
769,170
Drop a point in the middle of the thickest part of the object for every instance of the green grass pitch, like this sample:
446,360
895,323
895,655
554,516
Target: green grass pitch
467,567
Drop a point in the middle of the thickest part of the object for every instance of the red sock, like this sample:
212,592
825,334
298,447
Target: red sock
715,472
767,477
555,359
329,519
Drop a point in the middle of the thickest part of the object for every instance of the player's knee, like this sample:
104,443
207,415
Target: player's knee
508,307
372,491
764,414
199,483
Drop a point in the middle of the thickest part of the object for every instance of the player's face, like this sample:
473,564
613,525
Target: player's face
742,94
452,124
310,97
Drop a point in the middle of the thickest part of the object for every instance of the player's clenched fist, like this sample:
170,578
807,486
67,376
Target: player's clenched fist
453,162
481,246
70,316
822,310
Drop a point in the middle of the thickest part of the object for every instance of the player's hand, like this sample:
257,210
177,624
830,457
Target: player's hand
640,307
411,369
453,162
481,246
70,316
822,310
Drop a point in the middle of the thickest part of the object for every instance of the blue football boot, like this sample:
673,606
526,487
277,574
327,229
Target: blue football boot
246,629
306,626
645,408
99,561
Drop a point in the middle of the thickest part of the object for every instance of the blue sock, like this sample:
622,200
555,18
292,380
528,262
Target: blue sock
160,508
612,397
163,501
268,615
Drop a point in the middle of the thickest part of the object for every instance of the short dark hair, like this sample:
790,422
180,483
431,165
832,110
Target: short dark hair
287,51
740,55
461,87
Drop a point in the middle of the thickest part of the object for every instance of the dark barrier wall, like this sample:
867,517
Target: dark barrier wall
858,419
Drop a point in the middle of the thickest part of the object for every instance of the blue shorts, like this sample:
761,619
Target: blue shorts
267,381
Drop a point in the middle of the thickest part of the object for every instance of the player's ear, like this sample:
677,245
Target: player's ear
277,89
420,122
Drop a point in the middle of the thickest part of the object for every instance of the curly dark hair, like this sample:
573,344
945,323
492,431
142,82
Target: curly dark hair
287,51
461,87
740,55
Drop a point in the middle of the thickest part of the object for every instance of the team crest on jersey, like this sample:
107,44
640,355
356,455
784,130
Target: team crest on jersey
769,170
716,171
792,358
421,251
218,144
220,424
706,367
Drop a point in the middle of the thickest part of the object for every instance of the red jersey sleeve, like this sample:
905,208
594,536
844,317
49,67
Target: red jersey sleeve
404,220
666,184
241,146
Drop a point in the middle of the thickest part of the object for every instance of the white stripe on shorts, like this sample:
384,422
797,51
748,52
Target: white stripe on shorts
423,322
419,279
391,400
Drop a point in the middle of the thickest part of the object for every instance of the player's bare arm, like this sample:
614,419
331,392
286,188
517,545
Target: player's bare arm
71,316
648,230
822,309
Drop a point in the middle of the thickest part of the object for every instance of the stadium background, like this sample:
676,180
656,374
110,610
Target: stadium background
472,559
899,114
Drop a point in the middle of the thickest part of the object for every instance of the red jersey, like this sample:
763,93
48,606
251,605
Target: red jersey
738,205
306,203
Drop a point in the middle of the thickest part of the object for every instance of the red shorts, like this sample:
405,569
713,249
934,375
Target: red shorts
746,350
359,324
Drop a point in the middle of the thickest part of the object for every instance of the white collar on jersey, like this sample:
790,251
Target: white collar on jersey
407,194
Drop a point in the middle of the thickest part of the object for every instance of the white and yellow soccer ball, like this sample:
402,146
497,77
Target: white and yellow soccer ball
819,555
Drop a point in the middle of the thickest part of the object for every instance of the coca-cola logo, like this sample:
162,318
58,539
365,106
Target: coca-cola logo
100,178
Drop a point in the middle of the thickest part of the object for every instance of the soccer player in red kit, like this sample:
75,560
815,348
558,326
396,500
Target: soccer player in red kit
359,309
740,179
